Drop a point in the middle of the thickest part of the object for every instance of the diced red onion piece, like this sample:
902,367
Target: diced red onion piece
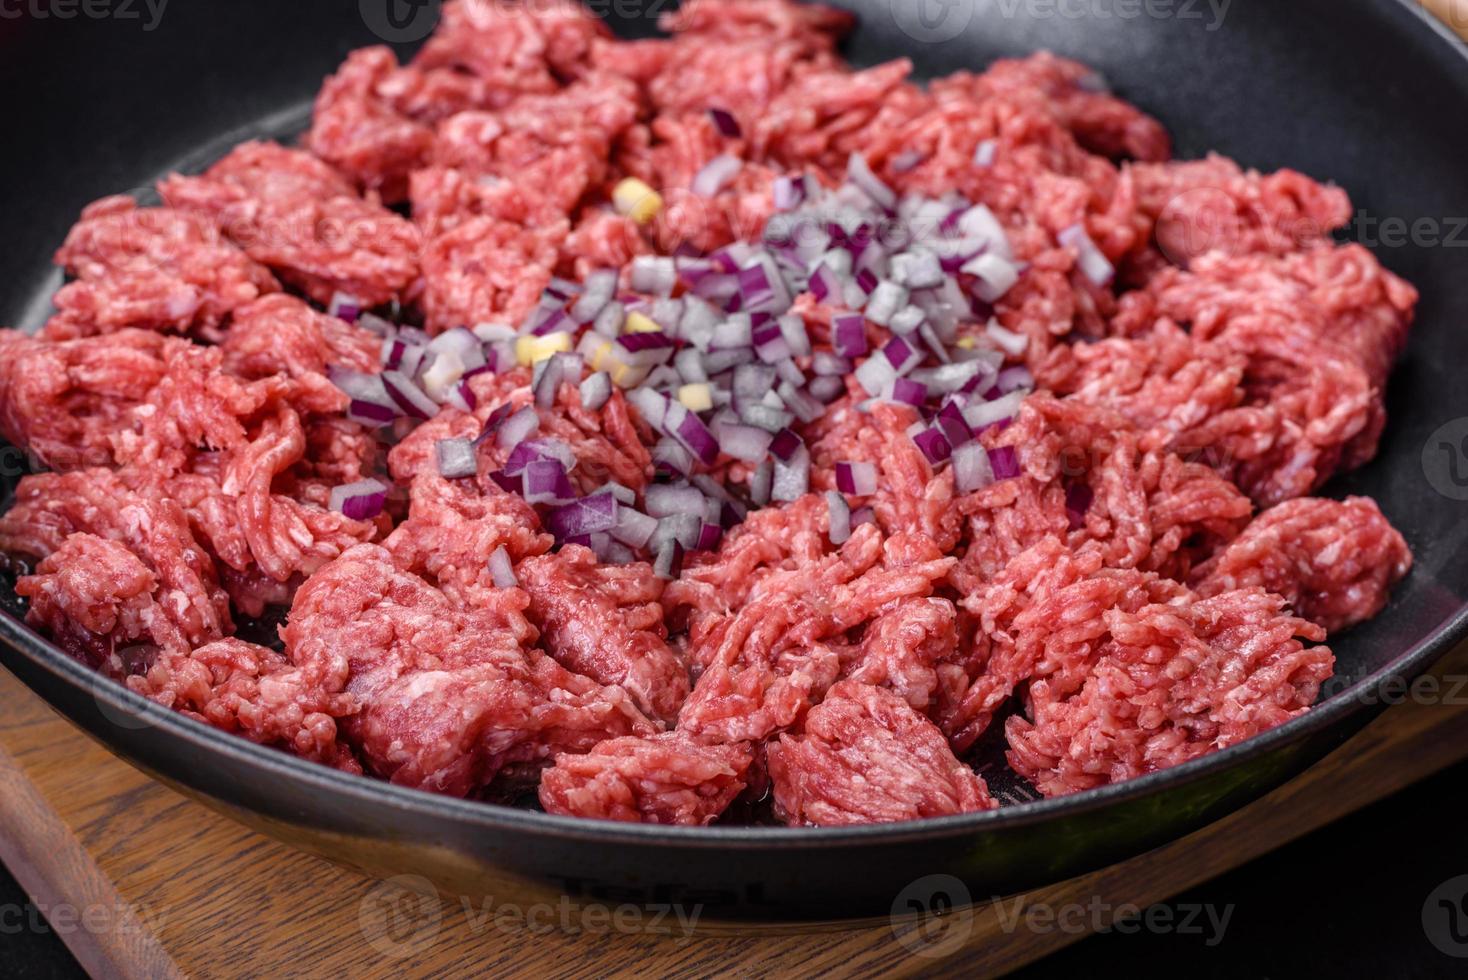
917,269
1078,498
849,335
954,426
545,482
408,396
985,152
709,536
857,478
909,392
371,413
907,160
360,501
1004,462
840,517
671,456
344,306
827,389
1013,344
901,355
595,391
693,434
981,415
654,274
875,374
725,123
770,344
786,445
934,445
601,287
789,193
595,514
826,284
978,223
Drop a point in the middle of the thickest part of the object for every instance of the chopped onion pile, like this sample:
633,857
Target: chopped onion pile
709,352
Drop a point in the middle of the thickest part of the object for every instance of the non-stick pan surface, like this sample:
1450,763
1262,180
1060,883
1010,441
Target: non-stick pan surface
1371,93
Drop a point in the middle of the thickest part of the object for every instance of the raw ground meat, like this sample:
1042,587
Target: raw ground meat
170,595
302,219
1149,510
604,621
865,756
666,779
152,268
252,691
1334,562
1168,682
1149,583
448,696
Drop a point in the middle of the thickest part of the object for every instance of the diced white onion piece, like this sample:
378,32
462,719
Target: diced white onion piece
517,428
456,458
717,174
791,479
501,570
840,514
1013,344
595,391
1093,263
885,301
971,469
979,223
916,270
860,174
439,380
995,275
980,415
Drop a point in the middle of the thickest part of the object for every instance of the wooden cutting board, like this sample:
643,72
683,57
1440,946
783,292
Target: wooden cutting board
140,881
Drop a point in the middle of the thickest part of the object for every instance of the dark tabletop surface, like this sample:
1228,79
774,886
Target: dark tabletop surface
1346,901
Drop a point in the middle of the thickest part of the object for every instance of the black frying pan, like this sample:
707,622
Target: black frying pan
1371,93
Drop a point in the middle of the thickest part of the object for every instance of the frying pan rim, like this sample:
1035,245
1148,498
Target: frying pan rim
378,794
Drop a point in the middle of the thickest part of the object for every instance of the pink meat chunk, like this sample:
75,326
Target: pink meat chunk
295,214
662,779
150,268
865,756
450,697
1334,562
